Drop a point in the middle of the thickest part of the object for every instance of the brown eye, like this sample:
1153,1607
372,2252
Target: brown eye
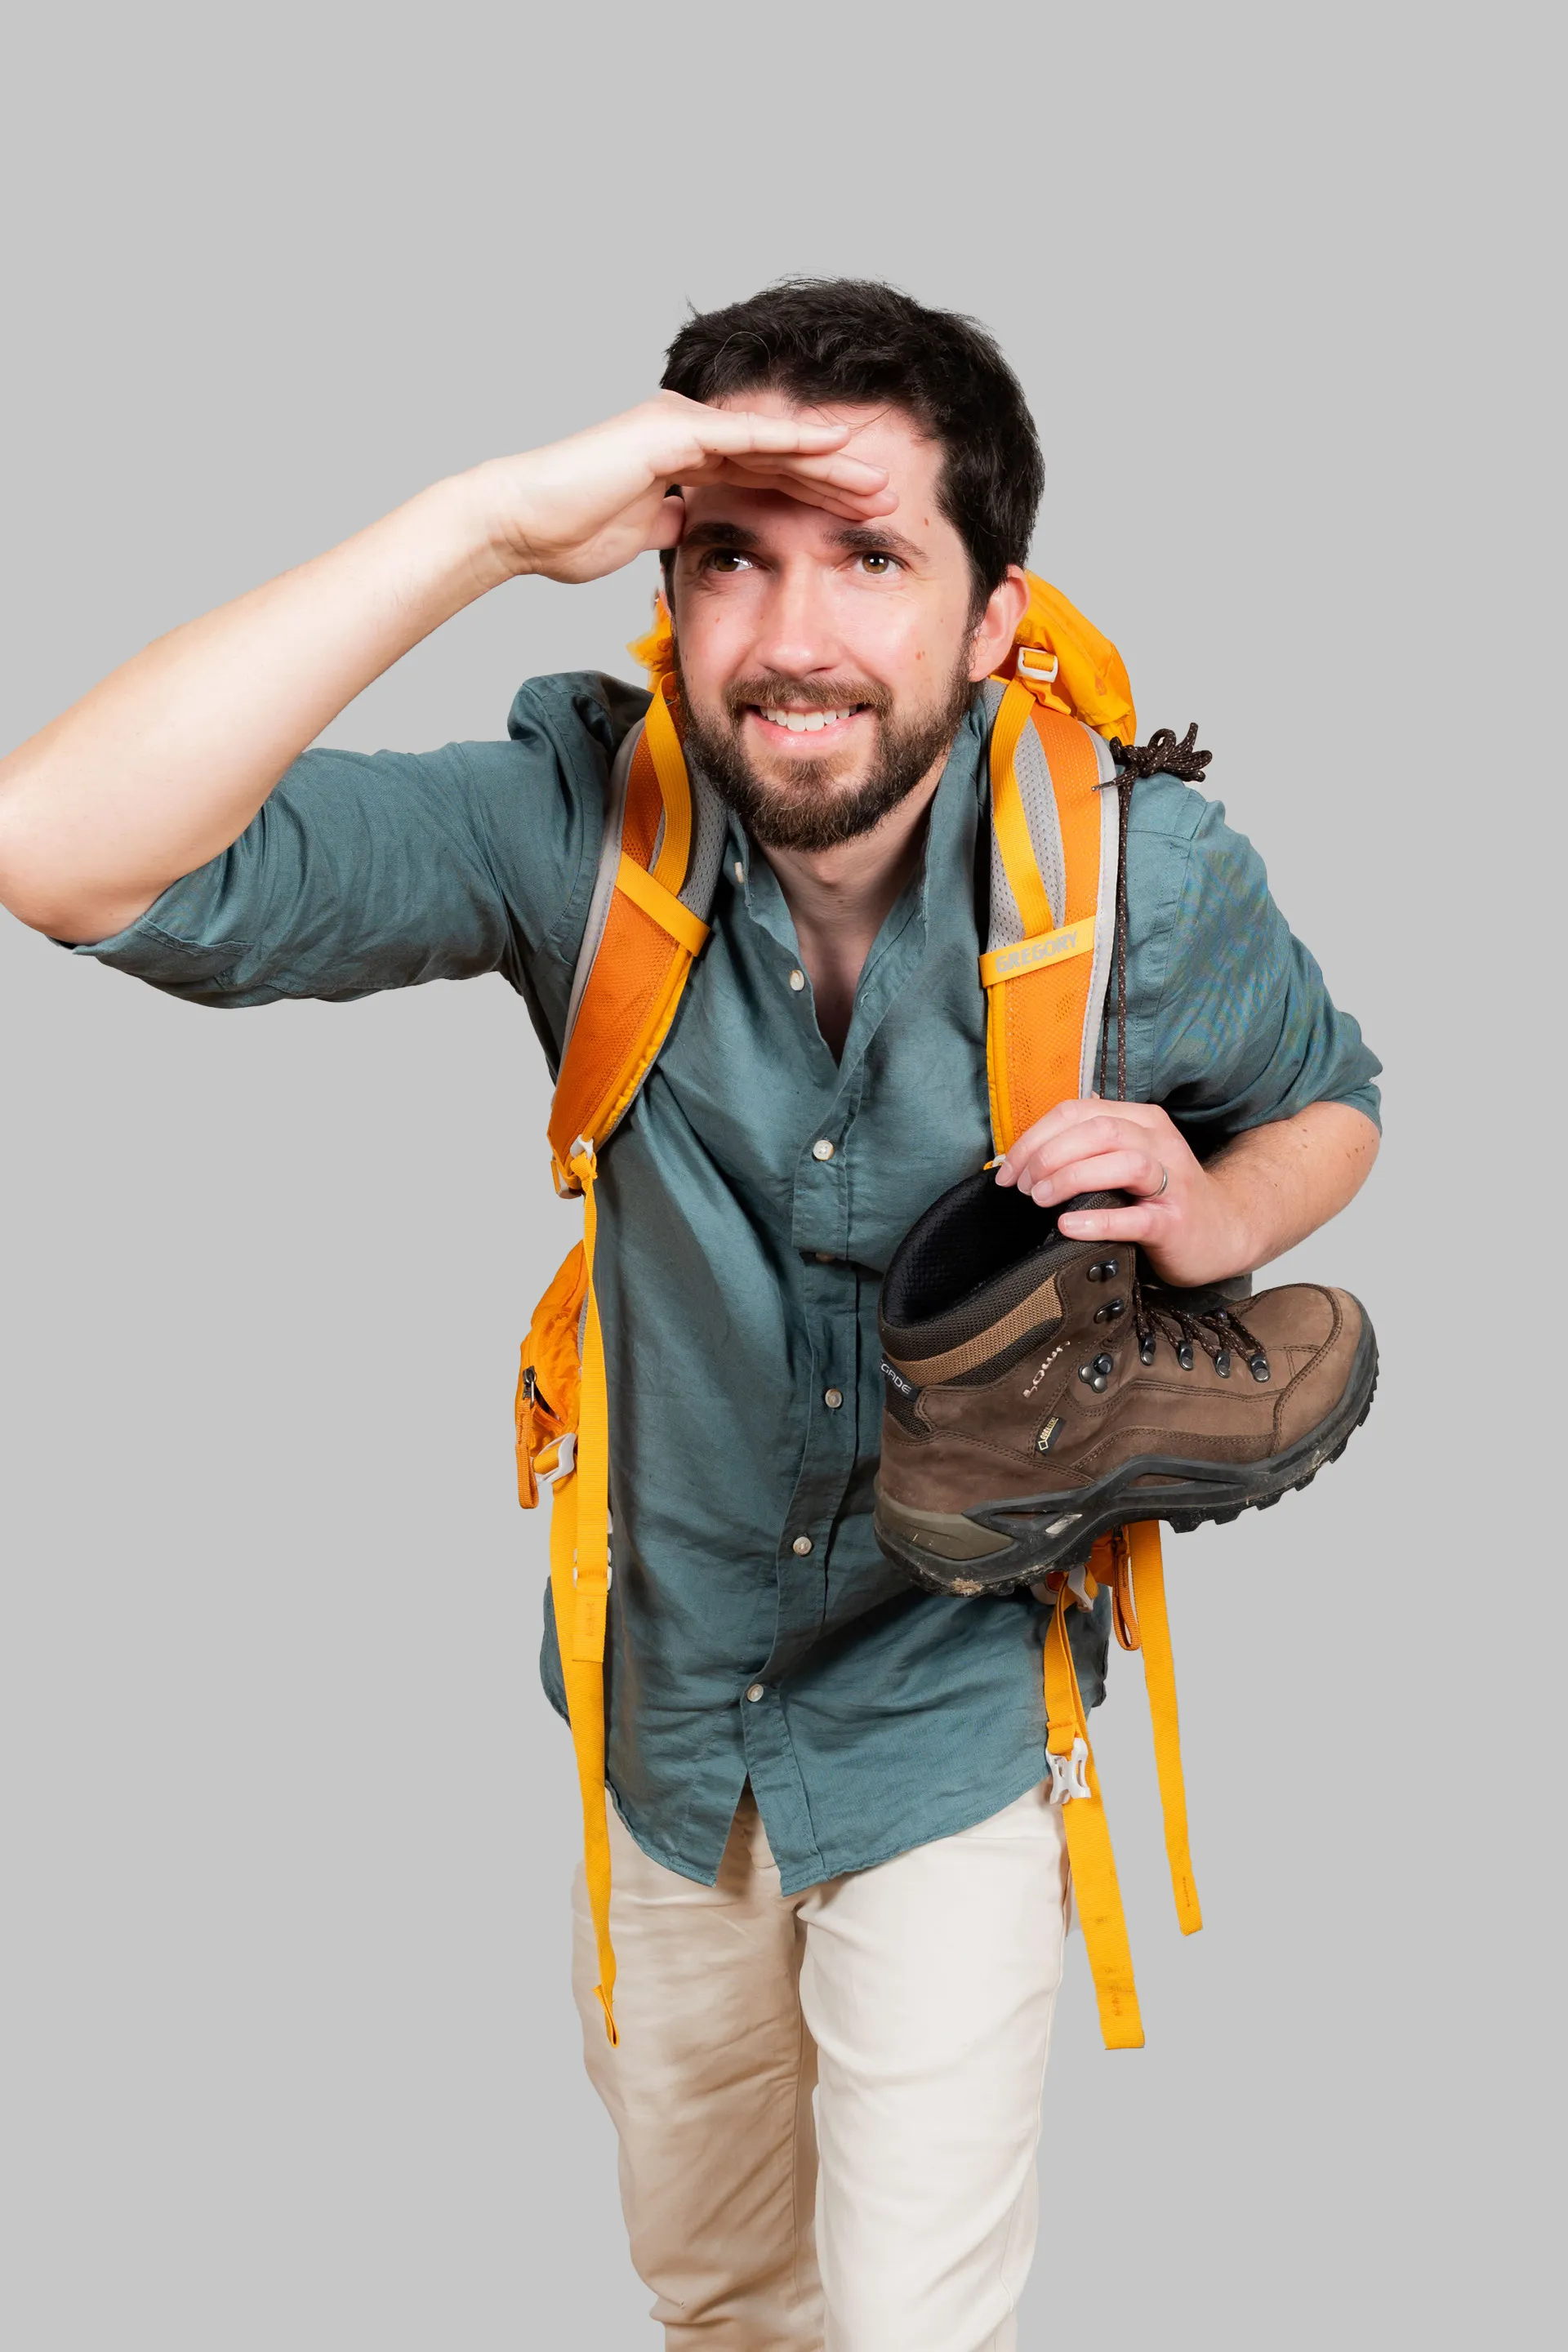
876,563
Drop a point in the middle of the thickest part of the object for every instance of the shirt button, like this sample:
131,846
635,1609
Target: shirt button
802,1544
823,1258
833,1398
822,1149
755,1693
797,980
740,871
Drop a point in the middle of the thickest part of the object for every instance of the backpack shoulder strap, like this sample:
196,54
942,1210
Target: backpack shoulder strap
647,923
658,863
1047,967
1053,907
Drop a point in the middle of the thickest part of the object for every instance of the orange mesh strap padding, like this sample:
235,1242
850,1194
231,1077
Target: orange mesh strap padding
644,955
1095,1888
1037,992
626,1008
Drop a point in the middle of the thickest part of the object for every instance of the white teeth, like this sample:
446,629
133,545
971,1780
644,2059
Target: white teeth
804,722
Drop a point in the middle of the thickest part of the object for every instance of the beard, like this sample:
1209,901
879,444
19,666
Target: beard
820,805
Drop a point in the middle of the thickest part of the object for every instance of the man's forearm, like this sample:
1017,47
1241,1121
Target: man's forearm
1280,1182
165,763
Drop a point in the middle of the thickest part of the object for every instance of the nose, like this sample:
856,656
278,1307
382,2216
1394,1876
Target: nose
797,630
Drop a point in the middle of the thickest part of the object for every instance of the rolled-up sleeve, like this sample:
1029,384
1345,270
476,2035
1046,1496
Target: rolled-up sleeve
381,870
1231,1023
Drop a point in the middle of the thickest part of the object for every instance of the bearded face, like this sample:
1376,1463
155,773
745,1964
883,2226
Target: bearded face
826,660
852,751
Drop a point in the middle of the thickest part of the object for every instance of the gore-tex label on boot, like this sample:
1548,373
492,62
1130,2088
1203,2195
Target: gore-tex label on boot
896,1379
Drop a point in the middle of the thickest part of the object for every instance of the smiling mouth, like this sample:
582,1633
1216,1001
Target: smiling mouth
804,722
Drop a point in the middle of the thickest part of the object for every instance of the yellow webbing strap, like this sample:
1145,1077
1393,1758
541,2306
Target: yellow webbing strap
686,928
1008,821
580,1585
1095,1888
1147,1569
675,789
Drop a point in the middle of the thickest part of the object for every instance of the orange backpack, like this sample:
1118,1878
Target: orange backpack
1058,704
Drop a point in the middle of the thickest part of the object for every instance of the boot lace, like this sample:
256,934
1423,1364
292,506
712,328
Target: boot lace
1219,1332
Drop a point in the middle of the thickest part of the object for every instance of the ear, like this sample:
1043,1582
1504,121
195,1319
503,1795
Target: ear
994,630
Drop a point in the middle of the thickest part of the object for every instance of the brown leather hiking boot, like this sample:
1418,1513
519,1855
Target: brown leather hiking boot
1038,1393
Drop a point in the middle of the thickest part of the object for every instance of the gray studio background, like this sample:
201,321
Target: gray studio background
287,2056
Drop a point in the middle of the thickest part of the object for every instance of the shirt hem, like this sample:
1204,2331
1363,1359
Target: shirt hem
965,1815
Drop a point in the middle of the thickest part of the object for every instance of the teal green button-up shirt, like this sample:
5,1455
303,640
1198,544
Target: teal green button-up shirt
756,1630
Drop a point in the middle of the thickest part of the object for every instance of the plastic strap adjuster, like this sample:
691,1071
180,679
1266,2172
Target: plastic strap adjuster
1068,1778
565,1458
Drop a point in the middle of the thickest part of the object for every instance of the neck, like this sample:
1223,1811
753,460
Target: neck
840,897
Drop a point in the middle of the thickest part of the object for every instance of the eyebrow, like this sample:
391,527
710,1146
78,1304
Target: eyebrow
720,534
856,537
870,538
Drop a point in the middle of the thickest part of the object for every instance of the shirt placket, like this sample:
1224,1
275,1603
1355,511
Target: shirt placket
822,1229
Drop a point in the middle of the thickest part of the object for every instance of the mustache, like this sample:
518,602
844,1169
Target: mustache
770,690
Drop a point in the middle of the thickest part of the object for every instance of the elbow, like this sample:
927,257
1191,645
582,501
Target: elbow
1357,1142
42,886
48,904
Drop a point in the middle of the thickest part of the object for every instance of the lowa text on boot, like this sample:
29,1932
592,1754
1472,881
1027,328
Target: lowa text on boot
1038,1393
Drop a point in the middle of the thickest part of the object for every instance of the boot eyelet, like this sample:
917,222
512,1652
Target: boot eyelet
1110,1310
1258,1366
1106,1364
1104,1272
1146,1351
1184,1355
1221,1363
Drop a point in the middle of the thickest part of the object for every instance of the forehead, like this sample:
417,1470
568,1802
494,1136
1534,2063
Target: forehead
882,435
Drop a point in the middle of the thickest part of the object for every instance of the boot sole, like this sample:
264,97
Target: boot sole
997,1546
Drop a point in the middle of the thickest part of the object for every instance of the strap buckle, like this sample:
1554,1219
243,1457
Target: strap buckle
1081,1585
565,1459
1041,676
1068,1778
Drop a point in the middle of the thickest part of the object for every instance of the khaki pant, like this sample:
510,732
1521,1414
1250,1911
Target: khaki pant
915,2000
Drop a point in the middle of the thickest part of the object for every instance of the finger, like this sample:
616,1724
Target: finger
857,505
1073,1113
1105,1172
838,467
700,429
1086,1140
1141,1223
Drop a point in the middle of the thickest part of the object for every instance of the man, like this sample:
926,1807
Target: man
834,1864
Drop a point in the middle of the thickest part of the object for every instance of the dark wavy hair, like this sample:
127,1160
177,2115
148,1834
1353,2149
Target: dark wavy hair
828,339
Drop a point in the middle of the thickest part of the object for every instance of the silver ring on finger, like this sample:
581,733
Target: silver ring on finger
1164,1180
